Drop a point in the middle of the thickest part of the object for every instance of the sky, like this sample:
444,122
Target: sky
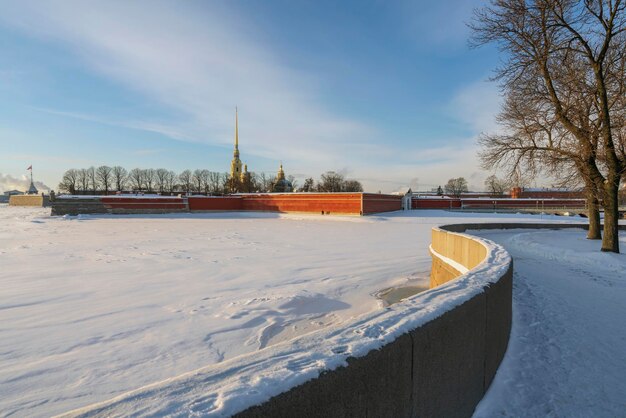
388,93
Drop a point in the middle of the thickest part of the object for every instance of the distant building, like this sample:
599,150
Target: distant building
237,175
12,192
4,198
281,184
32,189
239,178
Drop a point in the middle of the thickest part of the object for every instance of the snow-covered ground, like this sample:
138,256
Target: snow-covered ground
567,353
93,307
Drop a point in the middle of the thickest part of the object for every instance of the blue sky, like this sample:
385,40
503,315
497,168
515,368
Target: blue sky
386,92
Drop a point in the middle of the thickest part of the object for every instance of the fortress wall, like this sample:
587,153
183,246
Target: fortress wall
215,203
28,200
376,203
495,203
77,206
523,203
144,204
320,203
435,203
117,205
314,203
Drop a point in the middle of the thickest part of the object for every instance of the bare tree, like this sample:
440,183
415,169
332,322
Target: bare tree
352,186
205,181
136,179
160,175
215,184
119,177
549,44
331,182
104,176
537,143
294,183
93,181
186,180
308,186
83,180
170,181
149,179
196,179
496,186
69,181
264,182
456,186
225,183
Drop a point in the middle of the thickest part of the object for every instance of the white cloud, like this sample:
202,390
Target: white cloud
477,105
8,182
200,63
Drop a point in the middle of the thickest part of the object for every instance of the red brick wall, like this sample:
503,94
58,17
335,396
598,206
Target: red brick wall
329,203
435,203
521,193
375,203
320,203
523,203
142,203
215,203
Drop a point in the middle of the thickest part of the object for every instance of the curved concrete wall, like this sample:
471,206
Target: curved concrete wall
453,255
442,368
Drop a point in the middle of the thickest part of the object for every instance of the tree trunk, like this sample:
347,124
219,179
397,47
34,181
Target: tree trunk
610,242
593,211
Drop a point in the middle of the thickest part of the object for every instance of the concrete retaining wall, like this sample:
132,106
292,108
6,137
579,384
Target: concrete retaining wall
468,253
440,369
28,200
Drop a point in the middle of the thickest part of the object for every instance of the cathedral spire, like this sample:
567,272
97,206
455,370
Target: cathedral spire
236,153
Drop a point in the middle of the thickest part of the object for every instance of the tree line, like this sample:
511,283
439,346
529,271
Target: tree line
563,78
105,179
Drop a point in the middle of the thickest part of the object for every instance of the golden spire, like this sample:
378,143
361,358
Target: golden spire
236,153
281,172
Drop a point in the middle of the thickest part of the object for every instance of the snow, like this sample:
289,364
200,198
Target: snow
457,266
567,353
242,305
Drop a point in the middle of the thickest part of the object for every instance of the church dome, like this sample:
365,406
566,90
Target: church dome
281,184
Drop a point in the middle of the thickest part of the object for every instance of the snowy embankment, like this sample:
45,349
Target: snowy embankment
567,352
95,307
